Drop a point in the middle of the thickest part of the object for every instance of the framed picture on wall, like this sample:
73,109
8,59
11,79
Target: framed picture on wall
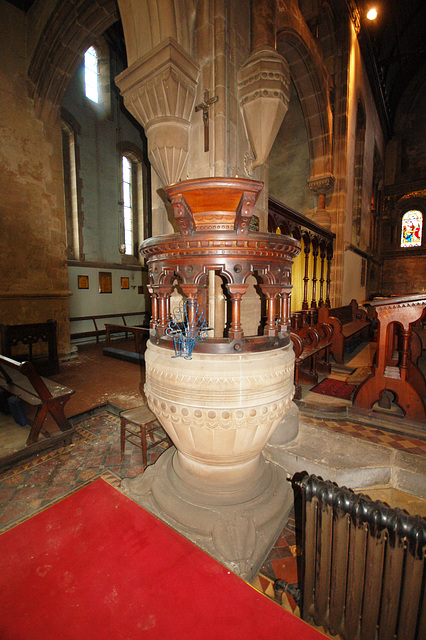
125,283
105,282
83,282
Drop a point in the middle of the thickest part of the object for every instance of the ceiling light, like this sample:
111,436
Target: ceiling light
372,13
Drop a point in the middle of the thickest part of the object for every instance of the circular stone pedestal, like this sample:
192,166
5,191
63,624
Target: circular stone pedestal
237,526
216,487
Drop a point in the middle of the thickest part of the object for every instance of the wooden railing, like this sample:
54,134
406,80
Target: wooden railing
99,329
317,248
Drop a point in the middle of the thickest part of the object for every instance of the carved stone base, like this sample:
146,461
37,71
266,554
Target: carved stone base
237,523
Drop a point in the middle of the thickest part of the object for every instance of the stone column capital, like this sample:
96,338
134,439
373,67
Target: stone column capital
159,91
321,184
264,94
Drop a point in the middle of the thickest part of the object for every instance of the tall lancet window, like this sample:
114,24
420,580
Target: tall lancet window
128,204
91,74
411,229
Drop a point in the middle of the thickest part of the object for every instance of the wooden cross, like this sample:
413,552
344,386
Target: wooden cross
205,107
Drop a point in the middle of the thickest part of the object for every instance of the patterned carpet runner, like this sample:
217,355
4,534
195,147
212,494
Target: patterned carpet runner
334,388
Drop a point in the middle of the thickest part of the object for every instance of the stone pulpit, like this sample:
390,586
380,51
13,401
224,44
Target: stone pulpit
221,404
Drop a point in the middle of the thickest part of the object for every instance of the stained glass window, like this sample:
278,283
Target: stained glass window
411,229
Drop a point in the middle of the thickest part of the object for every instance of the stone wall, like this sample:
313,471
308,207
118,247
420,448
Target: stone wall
34,285
289,163
33,275
404,270
402,276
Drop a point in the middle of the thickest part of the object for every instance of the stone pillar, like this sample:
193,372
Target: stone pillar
221,406
321,185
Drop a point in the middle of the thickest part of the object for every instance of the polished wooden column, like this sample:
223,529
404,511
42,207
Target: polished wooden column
192,292
284,310
271,292
322,258
235,328
314,278
154,307
163,293
328,281
307,250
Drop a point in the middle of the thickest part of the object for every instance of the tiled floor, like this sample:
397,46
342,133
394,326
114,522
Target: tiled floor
372,434
50,476
43,479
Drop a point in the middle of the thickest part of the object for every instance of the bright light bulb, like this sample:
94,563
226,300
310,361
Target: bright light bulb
372,14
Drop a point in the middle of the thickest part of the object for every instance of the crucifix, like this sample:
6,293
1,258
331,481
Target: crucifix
205,107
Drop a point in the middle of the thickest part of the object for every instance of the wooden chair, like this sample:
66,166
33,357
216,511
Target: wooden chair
139,424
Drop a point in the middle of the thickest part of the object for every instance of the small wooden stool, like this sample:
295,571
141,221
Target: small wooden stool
136,425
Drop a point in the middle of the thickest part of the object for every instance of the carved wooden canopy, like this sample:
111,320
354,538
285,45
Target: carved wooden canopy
214,216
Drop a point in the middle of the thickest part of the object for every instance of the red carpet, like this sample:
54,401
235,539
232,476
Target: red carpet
98,566
334,388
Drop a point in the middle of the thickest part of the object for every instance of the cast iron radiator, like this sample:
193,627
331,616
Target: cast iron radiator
362,564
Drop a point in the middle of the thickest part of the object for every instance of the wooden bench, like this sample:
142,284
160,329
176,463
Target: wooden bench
311,346
140,334
21,380
348,322
98,330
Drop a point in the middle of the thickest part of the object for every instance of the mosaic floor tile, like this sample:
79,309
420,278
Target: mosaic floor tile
95,452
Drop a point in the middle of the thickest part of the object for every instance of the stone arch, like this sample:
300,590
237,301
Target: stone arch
68,32
311,81
326,37
411,100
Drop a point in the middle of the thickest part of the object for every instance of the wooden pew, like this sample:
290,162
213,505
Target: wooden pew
348,322
311,346
20,379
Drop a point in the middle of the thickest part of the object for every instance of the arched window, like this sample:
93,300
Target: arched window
135,205
411,229
91,74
